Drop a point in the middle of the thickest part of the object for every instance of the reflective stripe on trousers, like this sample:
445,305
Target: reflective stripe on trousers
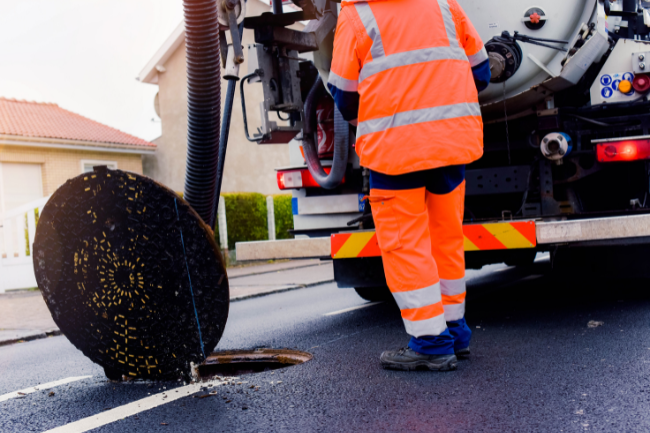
453,298
422,310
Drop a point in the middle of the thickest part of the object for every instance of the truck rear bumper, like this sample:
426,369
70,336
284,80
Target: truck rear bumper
546,234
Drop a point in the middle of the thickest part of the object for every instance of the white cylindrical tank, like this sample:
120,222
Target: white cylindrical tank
561,19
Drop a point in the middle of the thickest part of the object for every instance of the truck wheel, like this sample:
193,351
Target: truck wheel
374,294
522,258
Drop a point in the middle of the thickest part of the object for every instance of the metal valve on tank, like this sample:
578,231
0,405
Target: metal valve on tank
505,58
556,146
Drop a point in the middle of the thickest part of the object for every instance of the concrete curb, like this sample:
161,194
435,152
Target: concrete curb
56,332
234,274
284,289
31,337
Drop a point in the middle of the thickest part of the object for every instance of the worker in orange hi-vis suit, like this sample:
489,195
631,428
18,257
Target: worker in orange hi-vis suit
407,73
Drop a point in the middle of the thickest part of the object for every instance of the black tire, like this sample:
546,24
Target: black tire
374,294
523,258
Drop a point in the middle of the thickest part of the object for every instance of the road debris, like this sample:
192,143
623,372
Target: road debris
594,324
51,394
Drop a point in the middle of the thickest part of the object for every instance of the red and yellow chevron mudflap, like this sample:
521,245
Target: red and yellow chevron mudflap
352,245
500,236
478,237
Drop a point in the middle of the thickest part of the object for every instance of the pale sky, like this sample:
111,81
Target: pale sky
84,56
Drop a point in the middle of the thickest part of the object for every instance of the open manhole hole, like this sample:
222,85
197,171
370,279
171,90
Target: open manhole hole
238,362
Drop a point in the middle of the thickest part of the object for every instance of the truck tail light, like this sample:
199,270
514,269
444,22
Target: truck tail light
626,150
294,179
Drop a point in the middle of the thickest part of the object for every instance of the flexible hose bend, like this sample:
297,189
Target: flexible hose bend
203,105
310,138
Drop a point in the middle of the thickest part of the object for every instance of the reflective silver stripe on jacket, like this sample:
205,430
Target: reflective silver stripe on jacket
450,27
478,58
342,83
411,58
381,62
418,328
418,298
418,116
370,24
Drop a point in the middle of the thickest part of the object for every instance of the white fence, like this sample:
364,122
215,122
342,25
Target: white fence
17,230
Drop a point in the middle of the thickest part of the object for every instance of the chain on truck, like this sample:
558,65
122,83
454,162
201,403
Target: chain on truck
566,121
131,271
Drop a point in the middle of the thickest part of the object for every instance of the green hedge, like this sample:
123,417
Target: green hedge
246,217
283,216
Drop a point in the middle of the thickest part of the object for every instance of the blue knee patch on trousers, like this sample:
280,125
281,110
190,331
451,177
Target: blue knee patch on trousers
461,333
442,344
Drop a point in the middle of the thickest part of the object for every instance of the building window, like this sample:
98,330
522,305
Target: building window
19,184
88,164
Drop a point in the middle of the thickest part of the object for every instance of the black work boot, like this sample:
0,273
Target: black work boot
407,359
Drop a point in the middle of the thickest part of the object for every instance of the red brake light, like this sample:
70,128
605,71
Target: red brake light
295,179
628,150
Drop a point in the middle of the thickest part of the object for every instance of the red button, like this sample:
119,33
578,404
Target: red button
534,18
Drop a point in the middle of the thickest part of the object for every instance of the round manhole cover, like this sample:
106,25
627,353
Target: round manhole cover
238,362
131,275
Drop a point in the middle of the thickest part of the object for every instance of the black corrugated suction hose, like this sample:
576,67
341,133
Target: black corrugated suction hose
225,132
203,105
310,138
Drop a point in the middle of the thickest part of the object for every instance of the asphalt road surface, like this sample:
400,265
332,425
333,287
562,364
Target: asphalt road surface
536,366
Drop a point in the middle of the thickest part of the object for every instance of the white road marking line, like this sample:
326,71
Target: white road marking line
101,419
41,387
334,313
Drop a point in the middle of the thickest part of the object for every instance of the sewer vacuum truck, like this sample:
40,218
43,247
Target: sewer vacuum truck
566,145
131,272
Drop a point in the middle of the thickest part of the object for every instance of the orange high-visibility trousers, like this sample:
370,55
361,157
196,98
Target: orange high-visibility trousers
420,235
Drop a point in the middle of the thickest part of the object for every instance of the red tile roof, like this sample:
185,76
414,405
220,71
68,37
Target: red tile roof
35,119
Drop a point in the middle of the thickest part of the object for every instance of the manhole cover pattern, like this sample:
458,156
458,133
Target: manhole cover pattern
113,268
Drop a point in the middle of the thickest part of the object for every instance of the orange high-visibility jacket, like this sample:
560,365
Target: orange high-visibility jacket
411,63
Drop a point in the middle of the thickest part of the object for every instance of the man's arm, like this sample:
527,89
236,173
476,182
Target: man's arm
473,45
344,74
